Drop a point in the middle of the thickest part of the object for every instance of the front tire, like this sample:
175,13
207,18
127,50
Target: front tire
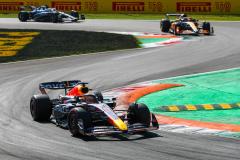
40,107
79,120
55,18
176,30
75,14
207,27
165,25
23,16
98,95
139,113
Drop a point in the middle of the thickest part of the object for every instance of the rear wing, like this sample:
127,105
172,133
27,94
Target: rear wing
175,14
59,85
27,8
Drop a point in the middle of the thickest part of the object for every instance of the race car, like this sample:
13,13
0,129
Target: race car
89,114
185,25
45,14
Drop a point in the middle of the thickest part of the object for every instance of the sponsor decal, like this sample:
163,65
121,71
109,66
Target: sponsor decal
223,6
155,6
194,7
58,85
91,6
107,110
128,6
67,6
10,6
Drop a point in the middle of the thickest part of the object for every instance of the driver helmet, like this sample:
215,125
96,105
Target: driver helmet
78,90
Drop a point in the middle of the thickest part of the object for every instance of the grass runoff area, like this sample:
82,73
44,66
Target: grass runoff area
50,43
148,16
207,88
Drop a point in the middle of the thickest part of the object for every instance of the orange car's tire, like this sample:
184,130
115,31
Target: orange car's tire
176,30
165,25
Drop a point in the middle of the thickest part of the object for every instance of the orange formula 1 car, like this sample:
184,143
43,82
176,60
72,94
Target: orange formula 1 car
184,25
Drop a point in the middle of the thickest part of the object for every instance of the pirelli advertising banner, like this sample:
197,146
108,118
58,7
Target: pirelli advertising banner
130,6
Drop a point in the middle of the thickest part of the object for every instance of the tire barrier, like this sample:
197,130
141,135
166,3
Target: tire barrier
178,108
130,6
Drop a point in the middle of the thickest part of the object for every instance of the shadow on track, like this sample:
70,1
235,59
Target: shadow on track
120,137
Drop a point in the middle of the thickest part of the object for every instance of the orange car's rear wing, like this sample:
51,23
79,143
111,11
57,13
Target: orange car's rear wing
175,14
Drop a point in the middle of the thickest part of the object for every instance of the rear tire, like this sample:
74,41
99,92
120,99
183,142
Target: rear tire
23,16
206,26
40,107
139,113
83,17
165,25
79,120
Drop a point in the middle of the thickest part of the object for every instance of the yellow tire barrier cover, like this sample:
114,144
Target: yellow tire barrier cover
130,6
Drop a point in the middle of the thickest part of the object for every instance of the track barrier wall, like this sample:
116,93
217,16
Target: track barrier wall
130,6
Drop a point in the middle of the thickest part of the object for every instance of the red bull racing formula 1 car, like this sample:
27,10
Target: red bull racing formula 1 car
184,25
88,114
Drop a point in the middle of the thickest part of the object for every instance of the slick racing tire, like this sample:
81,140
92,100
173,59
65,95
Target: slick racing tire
75,14
165,25
79,120
176,30
206,26
98,95
23,16
83,17
40,107
139,113
54,18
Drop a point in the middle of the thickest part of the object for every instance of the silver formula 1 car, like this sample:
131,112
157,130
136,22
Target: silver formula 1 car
89,114
45,14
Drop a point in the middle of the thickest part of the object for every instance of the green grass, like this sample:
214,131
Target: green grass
148,16
50,43
8,15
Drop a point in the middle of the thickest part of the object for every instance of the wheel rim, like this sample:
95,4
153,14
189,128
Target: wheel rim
80,124
21,17
73,124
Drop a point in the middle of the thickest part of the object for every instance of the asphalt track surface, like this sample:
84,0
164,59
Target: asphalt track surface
23,139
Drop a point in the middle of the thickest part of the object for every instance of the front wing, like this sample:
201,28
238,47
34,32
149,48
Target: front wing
109,130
